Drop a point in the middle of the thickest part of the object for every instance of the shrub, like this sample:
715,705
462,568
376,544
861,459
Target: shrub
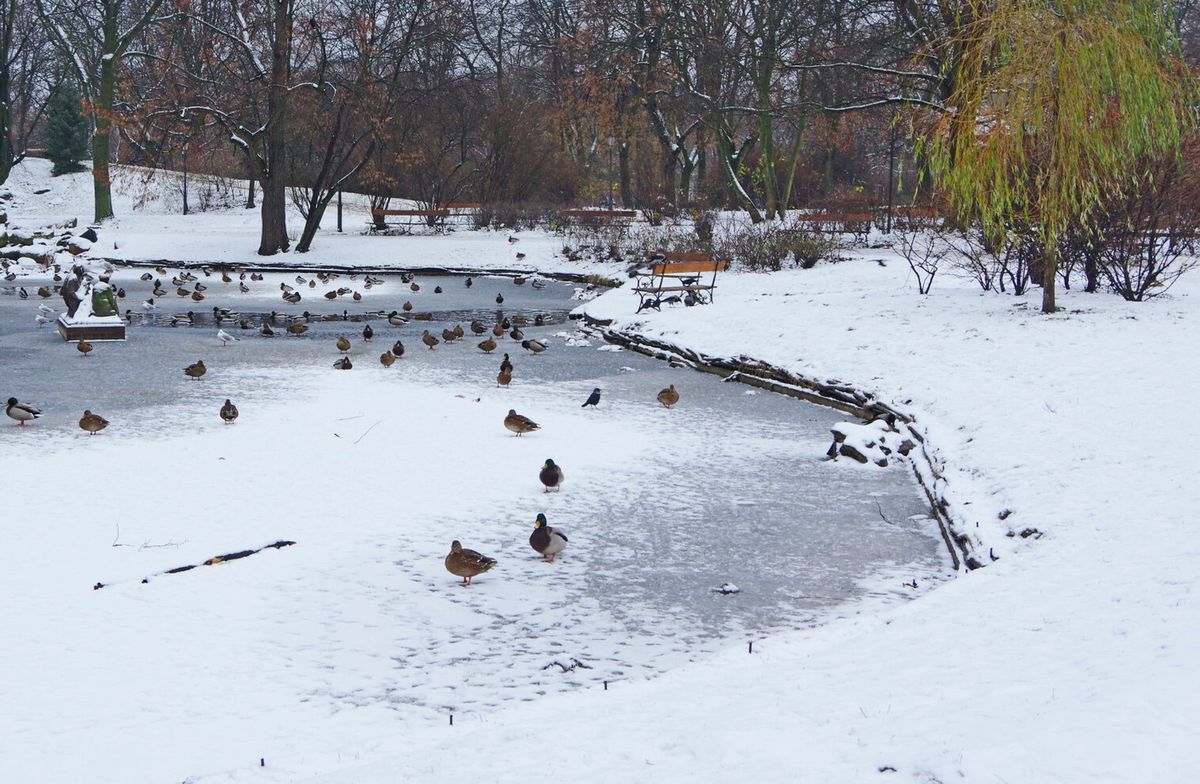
767,248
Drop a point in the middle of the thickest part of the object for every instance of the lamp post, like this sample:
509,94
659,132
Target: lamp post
610,141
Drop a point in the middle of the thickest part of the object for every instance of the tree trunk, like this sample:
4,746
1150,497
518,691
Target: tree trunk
625,175
311,224
102,114
274,237
1049,269
250,193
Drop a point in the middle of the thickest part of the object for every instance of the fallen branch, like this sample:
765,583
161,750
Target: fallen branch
216,559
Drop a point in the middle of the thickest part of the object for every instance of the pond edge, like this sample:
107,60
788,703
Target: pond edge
927,465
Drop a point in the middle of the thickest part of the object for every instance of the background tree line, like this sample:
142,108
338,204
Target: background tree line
756,105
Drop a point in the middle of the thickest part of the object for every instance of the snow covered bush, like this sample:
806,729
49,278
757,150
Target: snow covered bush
768,248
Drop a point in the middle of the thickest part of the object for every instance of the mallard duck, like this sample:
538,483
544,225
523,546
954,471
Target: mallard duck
546,540
465,563
499,299
498,330
477,327
398,349
520,255
297,328
330,295
414,287
266,331
407,306
504,378
387,359
536,346
551,476
505,364
343,344
520,424
448,335
229,412
468,282
182,292
519,280
293,298
539,320
21,412
83,347
516,334
242,287
429,340
182,319
538,283
146,277
368,333
396,320
225,277
488,346
459,331
520,320
437,289
343,364
668,397
159,291
44,292
312,284
195,370
513,239
423,316
358,297
201,287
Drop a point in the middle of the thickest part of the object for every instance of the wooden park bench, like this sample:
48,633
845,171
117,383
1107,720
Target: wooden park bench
594,219
679,275
856,223
414,217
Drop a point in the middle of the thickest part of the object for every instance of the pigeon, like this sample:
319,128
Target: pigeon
224,337
593,399
229,412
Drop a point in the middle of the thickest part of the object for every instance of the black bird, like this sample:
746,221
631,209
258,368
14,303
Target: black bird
593,399
468,283
499,299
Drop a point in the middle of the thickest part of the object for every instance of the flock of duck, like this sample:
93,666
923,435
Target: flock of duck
462,562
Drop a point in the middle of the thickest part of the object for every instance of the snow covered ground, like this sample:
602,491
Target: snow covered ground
150,227
1071,658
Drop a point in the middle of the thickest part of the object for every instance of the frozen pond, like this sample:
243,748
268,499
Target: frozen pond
661,506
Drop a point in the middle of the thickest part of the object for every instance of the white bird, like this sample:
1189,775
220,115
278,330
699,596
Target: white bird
149,305
41,319
48,311
224,337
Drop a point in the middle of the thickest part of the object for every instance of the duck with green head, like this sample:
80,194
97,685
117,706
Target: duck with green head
551,476
546,540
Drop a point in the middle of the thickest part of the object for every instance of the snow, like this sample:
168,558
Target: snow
1071,657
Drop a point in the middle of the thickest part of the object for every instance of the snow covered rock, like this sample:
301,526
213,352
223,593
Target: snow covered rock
869,443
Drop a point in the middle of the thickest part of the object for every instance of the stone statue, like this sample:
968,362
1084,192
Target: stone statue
70,290
104,300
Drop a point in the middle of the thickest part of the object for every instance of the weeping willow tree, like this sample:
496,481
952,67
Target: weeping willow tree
1054,104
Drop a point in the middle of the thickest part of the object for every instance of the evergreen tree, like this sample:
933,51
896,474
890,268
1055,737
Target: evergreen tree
66,130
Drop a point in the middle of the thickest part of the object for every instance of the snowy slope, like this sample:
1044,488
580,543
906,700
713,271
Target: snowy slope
1072,658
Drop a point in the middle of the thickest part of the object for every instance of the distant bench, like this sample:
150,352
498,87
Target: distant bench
676,274
595,219
856,223
413,217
